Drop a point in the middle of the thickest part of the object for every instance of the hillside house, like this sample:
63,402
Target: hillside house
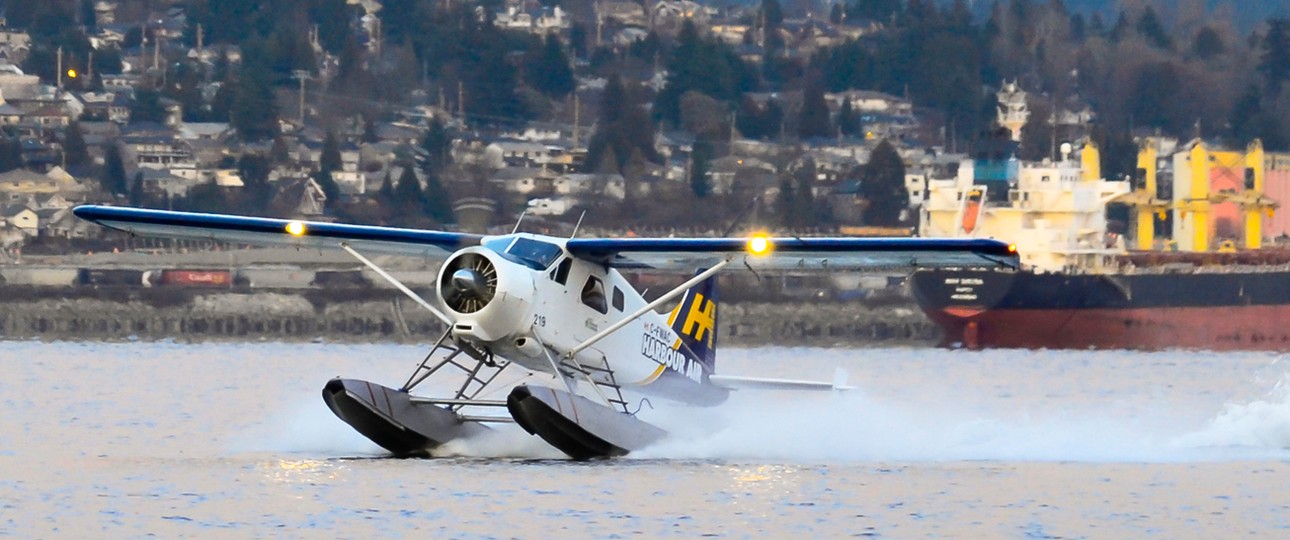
22,217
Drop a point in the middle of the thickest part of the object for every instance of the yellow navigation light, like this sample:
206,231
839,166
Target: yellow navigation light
296,228
759,245
1012,248
71,73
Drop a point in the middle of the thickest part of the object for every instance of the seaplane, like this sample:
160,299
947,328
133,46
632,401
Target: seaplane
557,307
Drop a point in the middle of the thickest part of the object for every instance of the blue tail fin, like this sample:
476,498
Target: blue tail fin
695,321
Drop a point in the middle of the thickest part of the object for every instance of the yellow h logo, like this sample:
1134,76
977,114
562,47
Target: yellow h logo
700,319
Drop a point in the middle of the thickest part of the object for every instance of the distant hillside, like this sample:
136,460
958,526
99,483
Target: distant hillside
1248,13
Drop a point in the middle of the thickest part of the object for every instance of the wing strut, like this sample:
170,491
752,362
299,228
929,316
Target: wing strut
648,308
398,284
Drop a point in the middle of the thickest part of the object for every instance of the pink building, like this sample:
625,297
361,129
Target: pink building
1277,187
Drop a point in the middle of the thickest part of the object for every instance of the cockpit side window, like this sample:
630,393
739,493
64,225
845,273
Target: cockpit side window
561,273
593,295
618,299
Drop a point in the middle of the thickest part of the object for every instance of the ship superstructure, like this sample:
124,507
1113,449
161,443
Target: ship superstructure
1055,212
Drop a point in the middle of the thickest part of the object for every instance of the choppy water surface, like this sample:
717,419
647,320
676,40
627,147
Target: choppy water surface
233,440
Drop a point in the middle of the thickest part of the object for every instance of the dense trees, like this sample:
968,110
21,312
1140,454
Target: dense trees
622,129
1274,63
701,65
112,178
882,184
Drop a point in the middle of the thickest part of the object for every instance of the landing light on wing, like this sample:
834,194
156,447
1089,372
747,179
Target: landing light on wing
296,228
759,245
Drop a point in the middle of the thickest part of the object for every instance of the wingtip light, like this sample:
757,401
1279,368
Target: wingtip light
296,228
759,245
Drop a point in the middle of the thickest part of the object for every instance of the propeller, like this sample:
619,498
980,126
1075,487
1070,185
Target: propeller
469,283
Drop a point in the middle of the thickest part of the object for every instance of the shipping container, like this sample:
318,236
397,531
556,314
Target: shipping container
196,278
276,278
40,276
110,277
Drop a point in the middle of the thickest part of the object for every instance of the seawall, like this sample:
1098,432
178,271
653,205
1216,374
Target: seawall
377,315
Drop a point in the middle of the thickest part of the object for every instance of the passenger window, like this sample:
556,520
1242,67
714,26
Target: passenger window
618,299
593,295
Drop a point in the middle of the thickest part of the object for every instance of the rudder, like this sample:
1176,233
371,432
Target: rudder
694,319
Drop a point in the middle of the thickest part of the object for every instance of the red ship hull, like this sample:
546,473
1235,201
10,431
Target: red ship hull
1237,309
1213,328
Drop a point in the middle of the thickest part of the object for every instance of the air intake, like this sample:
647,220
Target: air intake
468,283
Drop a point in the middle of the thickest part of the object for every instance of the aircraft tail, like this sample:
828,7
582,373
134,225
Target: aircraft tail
695,321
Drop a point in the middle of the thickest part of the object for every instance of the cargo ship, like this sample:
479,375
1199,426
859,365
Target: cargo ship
1212,284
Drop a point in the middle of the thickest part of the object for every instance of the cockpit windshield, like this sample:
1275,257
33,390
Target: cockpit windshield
534,254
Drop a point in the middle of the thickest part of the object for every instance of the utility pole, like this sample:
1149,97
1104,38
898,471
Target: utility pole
302,76
59,70
577,110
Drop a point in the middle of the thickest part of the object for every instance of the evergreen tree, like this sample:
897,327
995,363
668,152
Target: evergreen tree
814,120
10,154
1275,61
333,18
804,214
622,129
578,40
700,186
490,88
1245,116
136,190
436,148
88,17
1150,28
875,10
256,193
147,106
1208,44
883,185
849,120
551,73
370,133
436,201
112,179
385,194
786,203
407,204
253,108
329,160
769,18
613,101
75,151
1120,28
279,152
709,67
328,185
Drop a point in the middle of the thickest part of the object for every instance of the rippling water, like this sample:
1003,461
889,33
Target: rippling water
220,440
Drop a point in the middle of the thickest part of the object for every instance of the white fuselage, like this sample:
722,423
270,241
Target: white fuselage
558,301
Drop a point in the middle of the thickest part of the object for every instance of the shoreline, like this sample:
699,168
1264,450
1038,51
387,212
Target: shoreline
381,315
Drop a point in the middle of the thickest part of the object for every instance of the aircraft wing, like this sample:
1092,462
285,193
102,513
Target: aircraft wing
275,232
839,253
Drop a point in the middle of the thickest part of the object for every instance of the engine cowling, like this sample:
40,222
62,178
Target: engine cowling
488,296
